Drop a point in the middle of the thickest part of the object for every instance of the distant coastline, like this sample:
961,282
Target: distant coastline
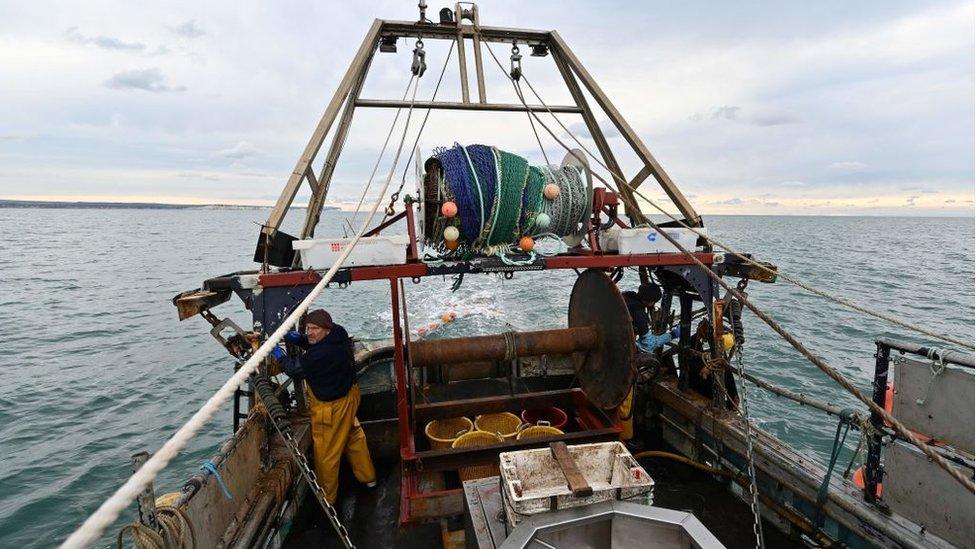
134,205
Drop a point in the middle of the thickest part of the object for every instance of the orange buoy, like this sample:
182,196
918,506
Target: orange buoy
551,191
449,209
451,244
422,331
526,243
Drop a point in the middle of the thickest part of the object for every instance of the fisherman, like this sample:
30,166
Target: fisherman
327,366
639,304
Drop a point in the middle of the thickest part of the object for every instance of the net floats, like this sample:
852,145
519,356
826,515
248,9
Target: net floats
449,209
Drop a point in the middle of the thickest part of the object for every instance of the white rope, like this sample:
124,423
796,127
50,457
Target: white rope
92,529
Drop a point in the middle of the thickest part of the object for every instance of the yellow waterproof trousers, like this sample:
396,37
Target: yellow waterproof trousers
336,431
626,415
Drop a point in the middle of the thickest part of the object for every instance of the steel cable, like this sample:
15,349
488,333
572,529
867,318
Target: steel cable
830,297
109,511
795,343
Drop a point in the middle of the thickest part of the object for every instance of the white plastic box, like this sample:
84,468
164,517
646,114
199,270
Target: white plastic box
646,240
321,253
532,481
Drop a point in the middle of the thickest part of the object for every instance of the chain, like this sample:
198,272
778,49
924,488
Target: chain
753,489
306,471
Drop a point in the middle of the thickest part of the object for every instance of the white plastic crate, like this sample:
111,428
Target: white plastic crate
645,240
533,482
321,253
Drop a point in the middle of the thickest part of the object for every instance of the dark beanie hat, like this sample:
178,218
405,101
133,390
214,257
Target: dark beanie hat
320,318
648,292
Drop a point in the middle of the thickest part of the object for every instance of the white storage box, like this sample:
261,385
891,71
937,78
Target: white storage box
321,253
533,482
646,240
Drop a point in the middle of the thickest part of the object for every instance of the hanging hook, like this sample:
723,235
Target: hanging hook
419,65
516,72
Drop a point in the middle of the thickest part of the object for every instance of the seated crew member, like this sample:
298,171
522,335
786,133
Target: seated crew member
327,365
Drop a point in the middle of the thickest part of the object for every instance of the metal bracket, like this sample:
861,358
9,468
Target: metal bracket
419,65
219,327
147,498
516,71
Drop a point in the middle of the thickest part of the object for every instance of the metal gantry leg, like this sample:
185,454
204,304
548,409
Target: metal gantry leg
873,472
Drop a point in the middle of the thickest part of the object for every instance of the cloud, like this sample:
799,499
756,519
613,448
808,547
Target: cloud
104,42
792,184
188,29
240,151
725,112
150,80
610,131
734,113
847,166
773,119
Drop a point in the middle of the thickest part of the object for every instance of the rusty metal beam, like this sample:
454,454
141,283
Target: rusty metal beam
450,32
473,406
452,458
502,347
449,105
194,302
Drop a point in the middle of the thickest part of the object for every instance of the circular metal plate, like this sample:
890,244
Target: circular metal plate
577,159
607,372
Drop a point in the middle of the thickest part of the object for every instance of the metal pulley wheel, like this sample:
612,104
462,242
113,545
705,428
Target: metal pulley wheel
606,372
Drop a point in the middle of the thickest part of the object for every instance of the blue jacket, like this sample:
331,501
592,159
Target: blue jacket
328,366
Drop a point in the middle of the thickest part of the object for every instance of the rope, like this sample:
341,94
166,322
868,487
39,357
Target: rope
379,159
796,344
177,531
109,511
212,469
816,291
423,124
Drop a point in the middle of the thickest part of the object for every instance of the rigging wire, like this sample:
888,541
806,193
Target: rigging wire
795,343
830,297
379,159
96,524
423,124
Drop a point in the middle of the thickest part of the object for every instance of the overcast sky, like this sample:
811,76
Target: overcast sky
752,107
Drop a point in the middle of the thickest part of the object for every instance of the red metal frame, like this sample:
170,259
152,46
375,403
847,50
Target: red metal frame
588,419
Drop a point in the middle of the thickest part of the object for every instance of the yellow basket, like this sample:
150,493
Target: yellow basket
443,432
505,424
473,440
538,431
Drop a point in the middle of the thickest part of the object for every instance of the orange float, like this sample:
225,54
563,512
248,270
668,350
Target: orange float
526,243
449,209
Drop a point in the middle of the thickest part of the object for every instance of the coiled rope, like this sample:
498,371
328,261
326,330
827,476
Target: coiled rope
795,343
109,511
178,531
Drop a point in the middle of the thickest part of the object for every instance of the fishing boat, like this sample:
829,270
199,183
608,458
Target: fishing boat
481,211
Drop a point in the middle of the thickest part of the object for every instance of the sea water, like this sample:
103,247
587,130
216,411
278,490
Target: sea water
95,365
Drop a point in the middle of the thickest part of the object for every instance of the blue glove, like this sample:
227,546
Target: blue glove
675,332
293,337
278,353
